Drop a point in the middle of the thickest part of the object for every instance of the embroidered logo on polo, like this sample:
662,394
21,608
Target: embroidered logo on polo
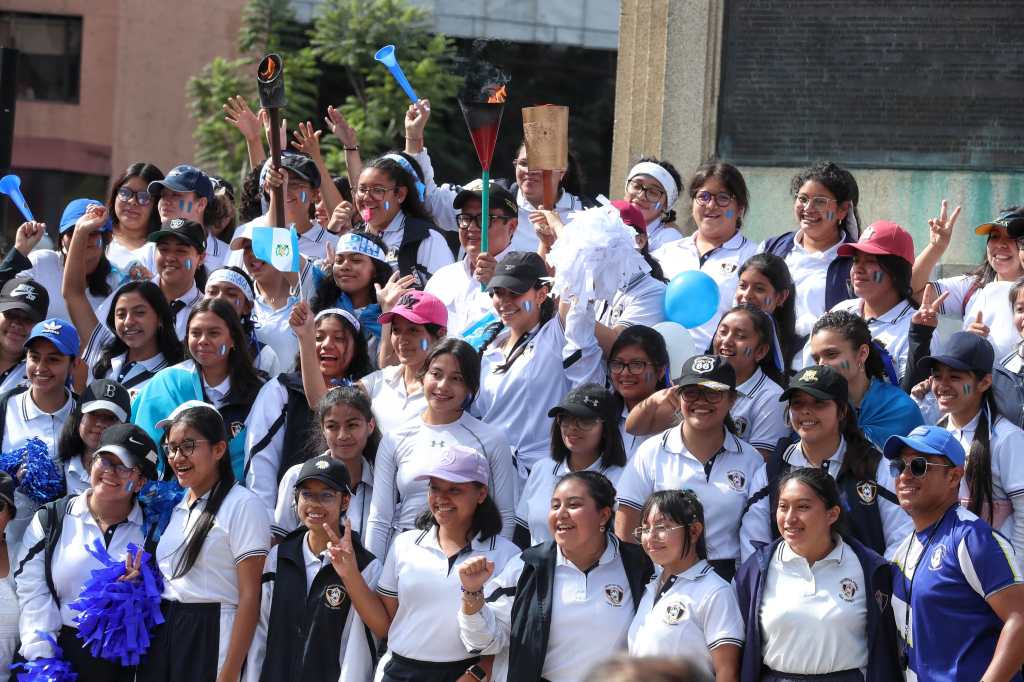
674,613
727,267
236,428
867,491
26,291
613,594
704,363
937,554
334,595
847,589
737,480
741,426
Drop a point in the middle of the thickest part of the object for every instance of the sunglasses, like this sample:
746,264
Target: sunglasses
918,467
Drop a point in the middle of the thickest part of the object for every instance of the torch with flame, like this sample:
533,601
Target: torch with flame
483,118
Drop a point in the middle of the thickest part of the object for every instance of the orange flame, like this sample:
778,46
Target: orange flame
499,95
270,69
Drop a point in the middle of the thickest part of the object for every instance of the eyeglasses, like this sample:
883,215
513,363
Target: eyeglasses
655,532
918,467
817,203
1020,244
185,448
117,468
324,497
633,366
704,198
374,192
142,197
467,220
580,423
648,192
692,394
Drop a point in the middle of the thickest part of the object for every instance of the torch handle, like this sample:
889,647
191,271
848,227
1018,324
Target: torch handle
550,189
275,159
485,213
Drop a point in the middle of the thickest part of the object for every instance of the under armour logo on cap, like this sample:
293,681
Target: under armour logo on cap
26,291
509,268
591,401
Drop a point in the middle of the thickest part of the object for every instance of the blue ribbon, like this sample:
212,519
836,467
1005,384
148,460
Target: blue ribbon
116,617
42,479
887,363
54,669
367,315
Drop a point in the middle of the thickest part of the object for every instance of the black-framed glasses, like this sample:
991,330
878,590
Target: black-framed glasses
580,423
633,366
142,197
185,448
466,221
918,467
377,193
648,192
704,198
107,466
818,203
692,394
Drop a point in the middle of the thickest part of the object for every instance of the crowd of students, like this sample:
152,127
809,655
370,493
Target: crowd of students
409,460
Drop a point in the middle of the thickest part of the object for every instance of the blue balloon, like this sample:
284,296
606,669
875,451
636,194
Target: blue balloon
691,298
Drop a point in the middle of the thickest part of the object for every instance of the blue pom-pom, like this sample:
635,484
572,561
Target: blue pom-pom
53,669
117,616
158,500
42,479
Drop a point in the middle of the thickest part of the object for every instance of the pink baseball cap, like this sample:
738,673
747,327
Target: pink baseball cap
882,238
631,215
458,464
418,307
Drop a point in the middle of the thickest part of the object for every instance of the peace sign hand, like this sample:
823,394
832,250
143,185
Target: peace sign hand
978,327
941,228
341,551
132,567
928,314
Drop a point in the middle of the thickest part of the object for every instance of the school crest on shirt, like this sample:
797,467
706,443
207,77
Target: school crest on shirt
674,613
236,428
847,589
334,595
936,559
737,480
727,267
867,491
613,594
741,426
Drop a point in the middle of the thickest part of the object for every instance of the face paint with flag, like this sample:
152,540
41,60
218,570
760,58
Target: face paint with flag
277,246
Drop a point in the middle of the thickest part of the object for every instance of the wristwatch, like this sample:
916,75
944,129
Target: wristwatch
477,672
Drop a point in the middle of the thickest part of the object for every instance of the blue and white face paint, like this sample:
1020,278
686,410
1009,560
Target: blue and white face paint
729,213
188,263
387,205
424,345
303,197
877,276
527,306
223,349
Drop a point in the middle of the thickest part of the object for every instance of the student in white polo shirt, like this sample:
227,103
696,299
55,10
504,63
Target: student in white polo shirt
687,610
584,437
419,586
703,454
451,377
180,250
54,565
210,554
638,367
562,606
652,187
817,603
718,247
104,404
23,303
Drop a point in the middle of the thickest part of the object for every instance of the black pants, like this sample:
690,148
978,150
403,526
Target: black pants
90,669
402,669
841,676
185,646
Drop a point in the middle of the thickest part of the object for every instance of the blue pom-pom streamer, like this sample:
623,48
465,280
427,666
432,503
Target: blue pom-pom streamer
42,479
158,500
117,616
53,669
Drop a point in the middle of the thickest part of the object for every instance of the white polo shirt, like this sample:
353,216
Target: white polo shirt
694,613
72,565
723,485
463,296
810,270
408,451
891,328
722,264
286,516
136,374
759,416
535,501
629,441
991,300
756,529
48,269
659,234
392,404
14,376
1006,448
272,328
641,301
814,618
590,617
425,581
77,478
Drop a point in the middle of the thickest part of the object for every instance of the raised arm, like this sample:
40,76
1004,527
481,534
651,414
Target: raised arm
301,322
238,114
349,142
73,286
940,230
307,141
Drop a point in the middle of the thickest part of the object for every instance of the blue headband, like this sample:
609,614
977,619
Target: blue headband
357,243
421,189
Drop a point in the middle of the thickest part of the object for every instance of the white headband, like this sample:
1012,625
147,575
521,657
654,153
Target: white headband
337,311
357,243
661,175
233,278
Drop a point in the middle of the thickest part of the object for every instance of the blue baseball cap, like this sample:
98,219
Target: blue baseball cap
60,333
75,210
929,440
963,351
185,178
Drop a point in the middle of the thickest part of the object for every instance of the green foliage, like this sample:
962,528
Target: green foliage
220,148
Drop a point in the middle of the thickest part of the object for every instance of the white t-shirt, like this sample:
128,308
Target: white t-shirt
992,301
641,301
463,296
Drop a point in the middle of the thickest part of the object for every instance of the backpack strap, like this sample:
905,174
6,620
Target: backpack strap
4,399
265,441
52,518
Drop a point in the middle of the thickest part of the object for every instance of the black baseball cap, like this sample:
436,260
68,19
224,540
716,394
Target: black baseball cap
184,178
105,394
302,166
327,470
819,381
133,446
519,271
499,196
26,295
188,231
590,401
709,371
7,486
963,351
1011,221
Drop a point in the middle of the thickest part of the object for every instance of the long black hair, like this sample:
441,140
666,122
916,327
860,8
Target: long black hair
775,270
328,291
841,183
412,205
730,176
356,399
249,205
360,365
763,325
486,521
547,311
145,171
209,423
824,488
599,487
899,271
985,273
682,507
612,451
855,330
245,379
167,341
652,344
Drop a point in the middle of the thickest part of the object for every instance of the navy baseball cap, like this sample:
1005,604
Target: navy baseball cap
132,445
76,209
928,440
1011,221
184,178
963,351
60,333
303,166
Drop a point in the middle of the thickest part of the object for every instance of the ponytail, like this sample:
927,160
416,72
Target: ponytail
547,311
978,471
862,457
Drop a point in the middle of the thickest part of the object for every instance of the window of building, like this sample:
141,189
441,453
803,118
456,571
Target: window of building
49,67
